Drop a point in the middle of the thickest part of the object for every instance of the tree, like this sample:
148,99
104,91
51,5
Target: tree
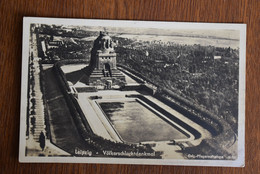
42,140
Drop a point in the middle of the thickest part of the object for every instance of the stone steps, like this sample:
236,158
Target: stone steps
97,77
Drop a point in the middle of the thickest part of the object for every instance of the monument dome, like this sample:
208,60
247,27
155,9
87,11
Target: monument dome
103,53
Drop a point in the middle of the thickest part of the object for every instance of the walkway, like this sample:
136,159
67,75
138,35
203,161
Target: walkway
37,120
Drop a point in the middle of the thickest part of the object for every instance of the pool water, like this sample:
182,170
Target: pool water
135,123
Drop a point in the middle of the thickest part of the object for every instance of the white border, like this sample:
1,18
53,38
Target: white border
239,162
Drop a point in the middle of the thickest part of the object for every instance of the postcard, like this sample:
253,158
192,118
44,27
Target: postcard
132,92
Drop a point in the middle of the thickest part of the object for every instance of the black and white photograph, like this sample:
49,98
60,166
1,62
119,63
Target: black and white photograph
132,92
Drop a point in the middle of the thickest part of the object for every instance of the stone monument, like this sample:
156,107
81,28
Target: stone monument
104,73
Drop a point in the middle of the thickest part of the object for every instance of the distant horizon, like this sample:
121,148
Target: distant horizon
218,38
226,34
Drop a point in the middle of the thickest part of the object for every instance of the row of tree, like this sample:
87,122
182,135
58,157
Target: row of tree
188,71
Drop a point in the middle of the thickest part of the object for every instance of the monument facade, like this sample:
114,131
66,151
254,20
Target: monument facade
104,73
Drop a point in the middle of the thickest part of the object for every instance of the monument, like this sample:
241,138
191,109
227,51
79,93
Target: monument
104,73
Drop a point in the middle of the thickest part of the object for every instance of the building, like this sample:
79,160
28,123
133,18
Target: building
54,44
217,57
103,71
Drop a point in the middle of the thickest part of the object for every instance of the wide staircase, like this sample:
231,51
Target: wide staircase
99,77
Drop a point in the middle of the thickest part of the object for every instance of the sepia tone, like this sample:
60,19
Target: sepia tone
129,92
12,12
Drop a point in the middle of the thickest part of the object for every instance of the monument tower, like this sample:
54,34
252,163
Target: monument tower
103,63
